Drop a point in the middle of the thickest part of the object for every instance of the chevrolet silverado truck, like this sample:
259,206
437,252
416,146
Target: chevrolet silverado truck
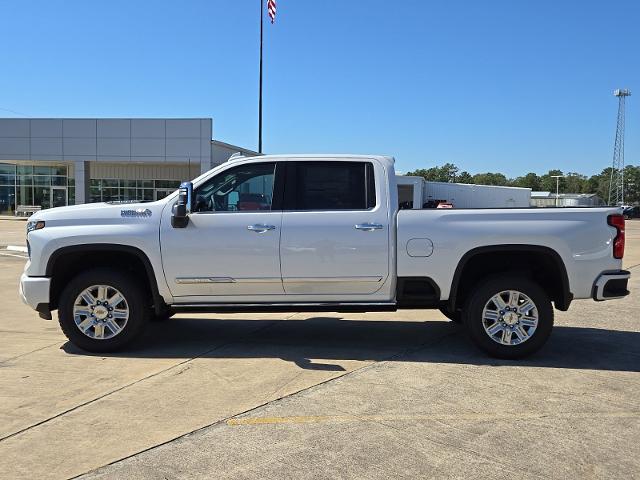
316,233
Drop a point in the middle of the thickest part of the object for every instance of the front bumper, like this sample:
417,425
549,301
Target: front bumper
610,285
34,291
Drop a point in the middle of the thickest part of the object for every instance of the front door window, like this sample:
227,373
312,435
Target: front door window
247,188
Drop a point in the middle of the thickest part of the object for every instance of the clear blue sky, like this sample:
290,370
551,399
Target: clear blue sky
508,86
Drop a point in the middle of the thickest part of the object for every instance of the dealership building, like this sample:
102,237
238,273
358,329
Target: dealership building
51,162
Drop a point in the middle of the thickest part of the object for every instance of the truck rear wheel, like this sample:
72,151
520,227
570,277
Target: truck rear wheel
102,310
509,316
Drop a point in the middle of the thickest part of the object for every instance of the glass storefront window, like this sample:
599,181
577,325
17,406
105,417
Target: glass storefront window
95,194
42,180
25,195
167,184
110,194
37,170
7,180
42,197
59,181
111,189
130,194
25,180
34,185
7,199
6,169
38,184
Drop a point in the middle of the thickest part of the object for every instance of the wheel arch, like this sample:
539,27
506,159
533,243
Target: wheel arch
542,263
66,262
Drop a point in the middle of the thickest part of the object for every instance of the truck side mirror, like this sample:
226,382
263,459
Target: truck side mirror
182,208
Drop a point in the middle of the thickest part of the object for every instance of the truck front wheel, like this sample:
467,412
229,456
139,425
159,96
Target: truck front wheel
102,310
509,316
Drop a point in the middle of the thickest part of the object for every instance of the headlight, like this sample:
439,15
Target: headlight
35,225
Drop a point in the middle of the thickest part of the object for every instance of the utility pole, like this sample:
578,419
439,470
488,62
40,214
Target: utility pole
260,94
616,184
557,177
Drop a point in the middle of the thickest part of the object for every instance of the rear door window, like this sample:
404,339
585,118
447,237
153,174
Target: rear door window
328,185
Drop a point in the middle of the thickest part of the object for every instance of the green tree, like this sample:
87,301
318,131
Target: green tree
576,183
530,180
446,173
490,179
631,184
464,177
548,183
593,182
599,184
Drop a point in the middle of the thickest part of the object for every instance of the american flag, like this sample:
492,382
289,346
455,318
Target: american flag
271,10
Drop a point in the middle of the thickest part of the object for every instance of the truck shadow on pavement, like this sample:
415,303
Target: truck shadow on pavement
333,338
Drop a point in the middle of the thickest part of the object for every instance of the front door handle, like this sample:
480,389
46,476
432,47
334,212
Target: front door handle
258,228
369,227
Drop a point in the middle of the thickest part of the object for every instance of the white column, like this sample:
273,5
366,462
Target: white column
82,176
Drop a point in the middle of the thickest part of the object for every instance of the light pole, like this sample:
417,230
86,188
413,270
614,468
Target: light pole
557,177
260,93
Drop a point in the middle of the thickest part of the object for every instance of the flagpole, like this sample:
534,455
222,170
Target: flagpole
260,95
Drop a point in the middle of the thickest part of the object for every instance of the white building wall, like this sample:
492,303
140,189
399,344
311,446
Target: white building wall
220,152
106,140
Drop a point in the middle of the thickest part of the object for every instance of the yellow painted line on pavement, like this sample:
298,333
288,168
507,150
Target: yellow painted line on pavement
436,416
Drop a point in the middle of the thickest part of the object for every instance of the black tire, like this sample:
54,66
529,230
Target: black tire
455,316
135,300
472,316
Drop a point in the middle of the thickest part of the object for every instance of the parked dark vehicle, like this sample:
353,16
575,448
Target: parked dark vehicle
631,212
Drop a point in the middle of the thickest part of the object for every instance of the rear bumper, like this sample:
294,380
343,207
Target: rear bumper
34,291
610,285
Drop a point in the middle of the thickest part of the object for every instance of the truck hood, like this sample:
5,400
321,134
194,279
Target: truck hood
100,213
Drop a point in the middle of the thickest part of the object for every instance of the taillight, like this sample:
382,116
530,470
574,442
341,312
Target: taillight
617,221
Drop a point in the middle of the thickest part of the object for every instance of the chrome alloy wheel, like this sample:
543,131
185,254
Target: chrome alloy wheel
100,312
510,317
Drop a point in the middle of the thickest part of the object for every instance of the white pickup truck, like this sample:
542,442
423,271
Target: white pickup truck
316,233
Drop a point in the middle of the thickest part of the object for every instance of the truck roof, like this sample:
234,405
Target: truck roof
317,156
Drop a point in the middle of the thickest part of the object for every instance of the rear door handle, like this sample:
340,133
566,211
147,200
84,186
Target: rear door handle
369,227
260,228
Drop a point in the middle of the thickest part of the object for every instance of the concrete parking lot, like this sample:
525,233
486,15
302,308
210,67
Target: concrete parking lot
402,395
